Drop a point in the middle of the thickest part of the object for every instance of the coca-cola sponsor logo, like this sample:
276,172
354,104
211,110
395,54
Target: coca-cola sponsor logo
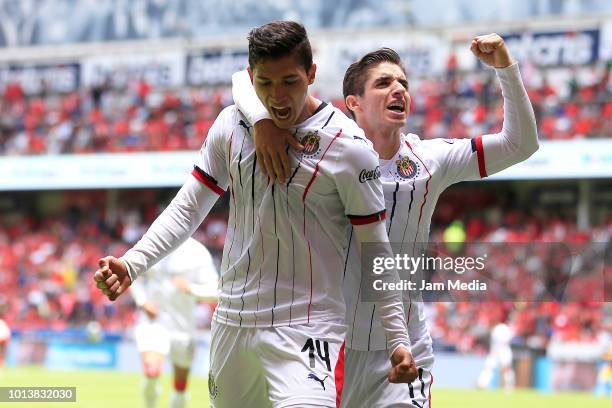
369,174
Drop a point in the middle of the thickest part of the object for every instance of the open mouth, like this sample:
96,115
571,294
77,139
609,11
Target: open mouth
397,106
281,113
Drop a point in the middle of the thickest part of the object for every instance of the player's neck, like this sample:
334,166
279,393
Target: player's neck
386,141
310,107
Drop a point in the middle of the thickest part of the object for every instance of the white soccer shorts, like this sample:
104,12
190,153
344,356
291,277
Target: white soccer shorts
501,358
366,384
274,367
154,337
182,349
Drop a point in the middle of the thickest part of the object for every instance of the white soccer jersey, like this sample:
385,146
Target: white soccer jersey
5,332
269,282
191,261
501,337
413,181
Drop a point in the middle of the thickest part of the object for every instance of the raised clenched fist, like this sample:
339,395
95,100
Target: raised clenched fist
491,50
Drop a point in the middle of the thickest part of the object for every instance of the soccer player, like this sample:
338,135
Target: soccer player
5,336
414,173
500,356
166,297
279,326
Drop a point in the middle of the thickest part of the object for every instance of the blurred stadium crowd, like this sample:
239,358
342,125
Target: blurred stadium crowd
54,255
46,264
49,245
569,103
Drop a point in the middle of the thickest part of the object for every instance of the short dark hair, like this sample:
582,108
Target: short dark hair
355,75
278,39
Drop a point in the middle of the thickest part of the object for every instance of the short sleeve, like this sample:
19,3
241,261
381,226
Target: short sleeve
459,159
357,178
193,261
211,168
206,272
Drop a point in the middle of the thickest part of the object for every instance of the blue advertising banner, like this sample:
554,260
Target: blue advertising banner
549,49
63,356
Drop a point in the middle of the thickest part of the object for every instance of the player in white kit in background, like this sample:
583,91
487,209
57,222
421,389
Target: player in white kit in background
414,173
500,356
5,334
167,296
279,326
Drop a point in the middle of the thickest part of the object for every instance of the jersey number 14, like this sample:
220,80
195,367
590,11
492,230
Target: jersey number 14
323,354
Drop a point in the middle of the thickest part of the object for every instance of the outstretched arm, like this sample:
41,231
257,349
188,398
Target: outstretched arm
483,155
173,226
519,138
178,221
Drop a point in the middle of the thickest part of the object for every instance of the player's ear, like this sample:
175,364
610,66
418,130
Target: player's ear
352,103
250,71
312,73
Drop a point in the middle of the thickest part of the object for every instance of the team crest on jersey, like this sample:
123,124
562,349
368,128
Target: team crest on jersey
311,144
406,168
213,390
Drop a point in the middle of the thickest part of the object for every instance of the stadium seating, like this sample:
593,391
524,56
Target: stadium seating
141,118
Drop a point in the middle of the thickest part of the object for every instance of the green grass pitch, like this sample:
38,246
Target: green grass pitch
113,389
